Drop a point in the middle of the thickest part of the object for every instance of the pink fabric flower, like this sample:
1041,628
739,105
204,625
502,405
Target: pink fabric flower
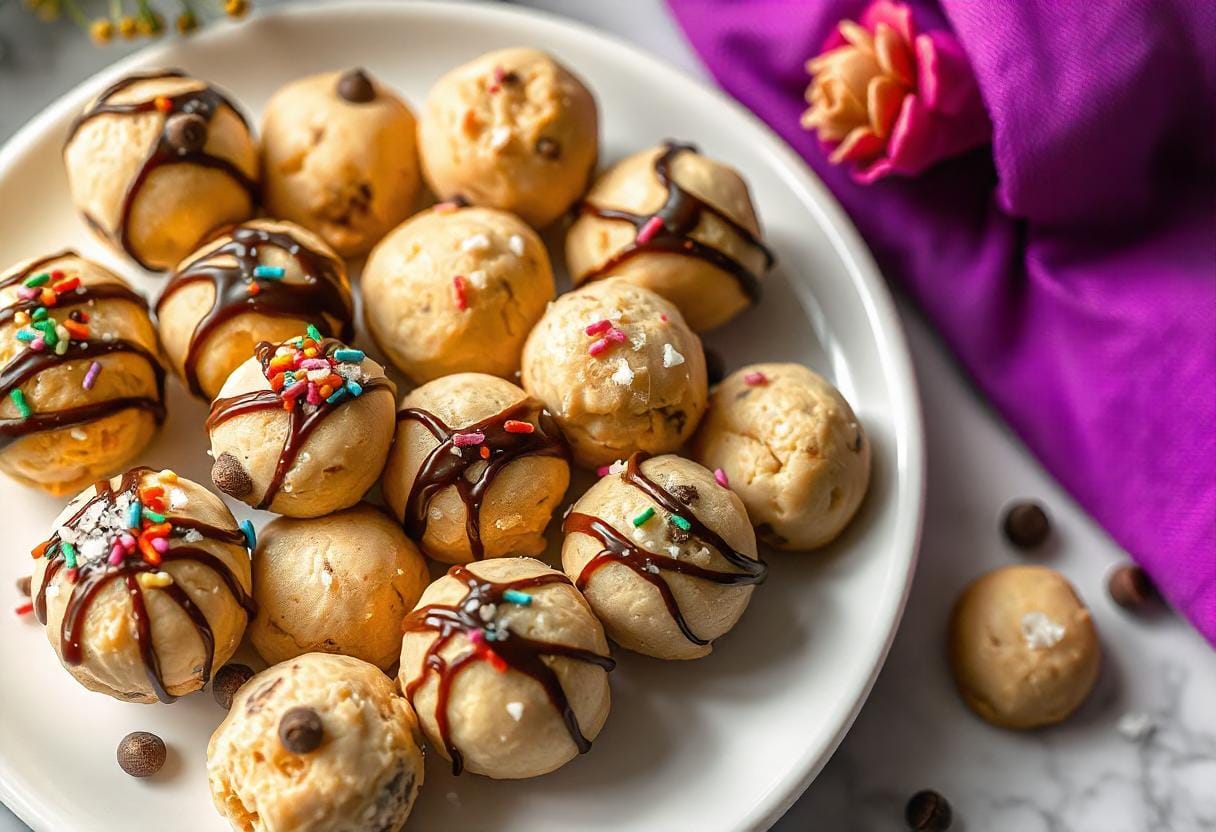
885,99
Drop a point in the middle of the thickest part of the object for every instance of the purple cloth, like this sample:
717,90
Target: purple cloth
1071,265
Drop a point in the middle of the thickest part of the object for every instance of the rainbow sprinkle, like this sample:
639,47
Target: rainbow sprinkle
642,518
680,523
251,535
301,371
24,608
516,426
39,331
269,272
651,227
462,440
755,379
720,478
514,596
90,378
460,292
21,404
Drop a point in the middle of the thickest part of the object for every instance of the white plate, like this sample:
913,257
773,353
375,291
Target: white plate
727,742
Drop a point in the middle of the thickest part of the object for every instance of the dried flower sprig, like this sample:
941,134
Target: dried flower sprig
131,19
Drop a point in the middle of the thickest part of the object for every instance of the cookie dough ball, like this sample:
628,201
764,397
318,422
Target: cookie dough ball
159,160
619,369
302,428
263,280
513,129
320,743
456,290
81,392
791,448
339,156
1023,647
678,223
665,556
335,584
476,470
141,574
513,646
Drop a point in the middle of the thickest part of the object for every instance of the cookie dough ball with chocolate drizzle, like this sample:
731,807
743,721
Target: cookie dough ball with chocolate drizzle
476,470
341,583
619,369
507,668
678,223
263,280
320,743
456,290
144,586
81,383
158,161
513,129
302,428
665,555
793,450
339,157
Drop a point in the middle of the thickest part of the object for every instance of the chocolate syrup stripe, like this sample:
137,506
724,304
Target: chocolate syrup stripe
443,468
93,576
521,654
203,102
322,292
299,426
617,548
681,212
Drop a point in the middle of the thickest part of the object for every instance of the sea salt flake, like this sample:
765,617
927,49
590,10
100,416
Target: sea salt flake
52,591
516,710
1039,631
478,279
671,356
477,242
487,611
516,243
192,536
78,435
617,467
623,374
327,578
177,498
500,137
93,548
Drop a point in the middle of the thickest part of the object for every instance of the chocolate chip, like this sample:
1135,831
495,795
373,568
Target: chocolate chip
355,87
228,681
1130,587
300,730
141,754
230,476
1026,525
23,585
186,132
928,811
548,148
685,493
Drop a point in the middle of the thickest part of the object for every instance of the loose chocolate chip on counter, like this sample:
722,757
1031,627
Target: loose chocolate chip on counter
23,585
1026,525
228,681
685,493
1130,587
548,148
141,754
186,132
715,367
300,730
928,811
356,87
230,476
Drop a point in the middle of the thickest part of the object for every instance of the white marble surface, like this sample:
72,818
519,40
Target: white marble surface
914,732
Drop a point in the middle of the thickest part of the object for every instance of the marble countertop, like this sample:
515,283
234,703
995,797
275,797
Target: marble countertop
1140,756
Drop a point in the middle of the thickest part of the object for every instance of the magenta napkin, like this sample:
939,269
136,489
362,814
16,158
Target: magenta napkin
1071,265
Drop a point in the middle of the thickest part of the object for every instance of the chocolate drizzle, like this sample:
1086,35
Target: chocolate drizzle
203,103
29,363
518,652
649,566
321,293
300,424
449,464
93,575
680,214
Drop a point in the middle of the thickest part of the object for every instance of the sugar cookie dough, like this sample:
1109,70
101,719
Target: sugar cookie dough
319,743
1023,647
791,448
619,369
512,129
518,646
157,161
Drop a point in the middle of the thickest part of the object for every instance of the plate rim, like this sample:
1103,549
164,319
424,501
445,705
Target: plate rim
877,302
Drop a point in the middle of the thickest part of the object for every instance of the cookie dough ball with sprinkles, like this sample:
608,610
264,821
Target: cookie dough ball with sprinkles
665,555
507,668
620,371
513,129
477,468
676,222
81,382
158,161
320,743
341,583
144,586
263,280
339,156
1023,647
303,427
456,290
792,448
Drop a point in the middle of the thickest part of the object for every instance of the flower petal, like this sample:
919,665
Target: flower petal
896,15
861,145
884,98
856,35
894,55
